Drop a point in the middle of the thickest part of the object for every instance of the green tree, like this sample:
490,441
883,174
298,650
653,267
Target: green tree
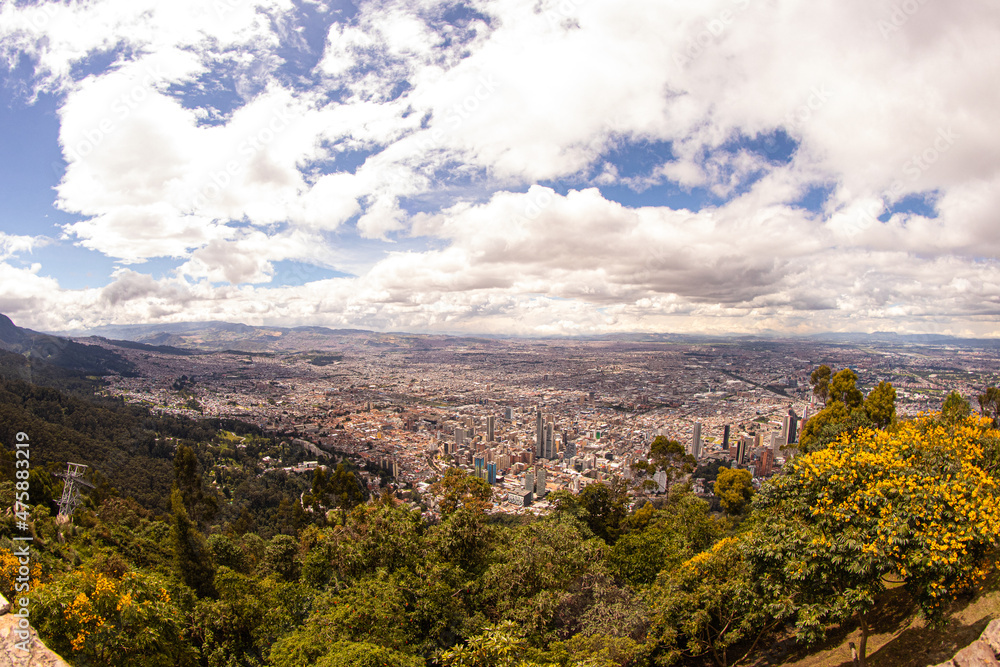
281,557
989,404
250,614
363,654
604,508
374,610
458,489
706,606
845,411
659,539
823,426
381,534
669,456
820,380
499,645
192,559
734,489
535,568
844,389
346,488
201,506
464,538
955,408
919,502
880,405
94,619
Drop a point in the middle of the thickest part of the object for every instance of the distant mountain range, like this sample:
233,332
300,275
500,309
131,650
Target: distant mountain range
60,351
193,337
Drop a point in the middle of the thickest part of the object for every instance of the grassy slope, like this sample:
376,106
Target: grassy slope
899,637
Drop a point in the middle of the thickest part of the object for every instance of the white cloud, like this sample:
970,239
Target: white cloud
404,111
14,244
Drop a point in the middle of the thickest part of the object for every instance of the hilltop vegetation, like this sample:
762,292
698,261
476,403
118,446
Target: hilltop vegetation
189,553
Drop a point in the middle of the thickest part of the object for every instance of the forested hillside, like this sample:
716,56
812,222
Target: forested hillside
189,553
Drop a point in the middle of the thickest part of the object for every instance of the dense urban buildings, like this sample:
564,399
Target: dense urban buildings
534,416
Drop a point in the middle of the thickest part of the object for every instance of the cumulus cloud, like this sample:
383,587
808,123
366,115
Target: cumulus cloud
421,131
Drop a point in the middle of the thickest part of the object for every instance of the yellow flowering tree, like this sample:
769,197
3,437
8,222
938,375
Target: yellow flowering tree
94,619
919,503
707,607
10,570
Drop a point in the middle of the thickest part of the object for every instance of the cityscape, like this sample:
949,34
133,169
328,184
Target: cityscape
534,416
499,333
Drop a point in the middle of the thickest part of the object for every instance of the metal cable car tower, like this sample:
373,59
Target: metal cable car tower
73,480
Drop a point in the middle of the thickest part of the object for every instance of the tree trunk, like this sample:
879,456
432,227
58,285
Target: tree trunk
863,649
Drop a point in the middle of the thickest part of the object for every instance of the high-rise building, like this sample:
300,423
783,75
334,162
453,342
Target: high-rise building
479,463
491,429
549,451
788,428
529,479
459,436
569,450
661,481
540,482
539,434
491,472
776,441
696,441
508,414
766,463
725,436
741,448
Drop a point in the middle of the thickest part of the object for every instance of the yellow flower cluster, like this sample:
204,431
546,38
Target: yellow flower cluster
81,613
9,569
920,496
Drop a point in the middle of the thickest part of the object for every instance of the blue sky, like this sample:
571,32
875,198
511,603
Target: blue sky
503,166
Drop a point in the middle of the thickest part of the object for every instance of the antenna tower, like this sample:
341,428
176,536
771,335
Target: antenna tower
73,480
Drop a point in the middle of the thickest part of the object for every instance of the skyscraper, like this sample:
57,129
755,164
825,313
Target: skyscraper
789,426
540,482
529,480
766,463
539,434
550,442
479,462
569,450
491,429
491,472
725,436
696,441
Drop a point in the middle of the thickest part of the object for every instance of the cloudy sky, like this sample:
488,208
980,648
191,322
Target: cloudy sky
503,166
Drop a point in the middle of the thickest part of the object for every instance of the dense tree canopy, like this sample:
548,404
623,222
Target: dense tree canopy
245,567
921,503
734,488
